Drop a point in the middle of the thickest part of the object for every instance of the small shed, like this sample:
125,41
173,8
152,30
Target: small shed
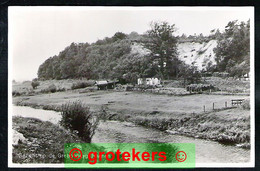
105,84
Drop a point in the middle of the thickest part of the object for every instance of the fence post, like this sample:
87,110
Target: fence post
204,108
226,104
213,106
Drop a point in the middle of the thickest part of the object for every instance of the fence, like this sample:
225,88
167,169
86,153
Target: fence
234,102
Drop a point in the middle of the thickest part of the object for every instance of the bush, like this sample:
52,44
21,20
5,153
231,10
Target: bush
246,105
35,84
77,117
200,52
52,88
16,93
80,85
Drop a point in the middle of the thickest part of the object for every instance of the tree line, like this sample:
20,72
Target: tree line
233,49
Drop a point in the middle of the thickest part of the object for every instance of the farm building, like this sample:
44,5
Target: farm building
148,81
104,85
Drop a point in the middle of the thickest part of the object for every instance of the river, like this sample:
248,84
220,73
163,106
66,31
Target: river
124,132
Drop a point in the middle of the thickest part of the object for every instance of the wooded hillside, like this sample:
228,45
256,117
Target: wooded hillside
154,54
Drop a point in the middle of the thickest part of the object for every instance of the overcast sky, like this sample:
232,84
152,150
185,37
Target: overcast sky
37,33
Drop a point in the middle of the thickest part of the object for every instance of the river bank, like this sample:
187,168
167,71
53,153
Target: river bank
42,142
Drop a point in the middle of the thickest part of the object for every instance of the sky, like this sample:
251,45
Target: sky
37,33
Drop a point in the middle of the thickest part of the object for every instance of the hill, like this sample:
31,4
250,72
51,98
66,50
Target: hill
117,59
128,57
199,54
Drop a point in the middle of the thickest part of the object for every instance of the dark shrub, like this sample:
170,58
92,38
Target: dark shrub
35,84
80,85
246,105
200,52
16,93
52,88
77,117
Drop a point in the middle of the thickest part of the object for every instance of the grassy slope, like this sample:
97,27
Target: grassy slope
25,88
44,141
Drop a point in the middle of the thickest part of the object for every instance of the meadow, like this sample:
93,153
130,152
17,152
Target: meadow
183,115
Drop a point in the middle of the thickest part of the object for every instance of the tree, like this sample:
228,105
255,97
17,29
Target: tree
234,48
189,74
133,35
35,83
163,47
119,36
218,34
183,36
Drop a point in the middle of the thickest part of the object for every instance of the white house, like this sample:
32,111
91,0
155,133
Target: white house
148,81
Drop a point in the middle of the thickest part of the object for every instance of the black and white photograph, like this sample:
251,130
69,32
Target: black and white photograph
131,75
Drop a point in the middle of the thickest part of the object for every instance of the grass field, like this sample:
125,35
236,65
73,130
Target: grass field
25,88
132,102
177,114
226,85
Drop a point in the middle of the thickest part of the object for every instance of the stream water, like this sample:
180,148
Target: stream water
124,132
